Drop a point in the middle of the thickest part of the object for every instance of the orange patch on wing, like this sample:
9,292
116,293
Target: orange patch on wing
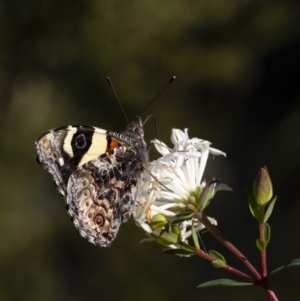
112,144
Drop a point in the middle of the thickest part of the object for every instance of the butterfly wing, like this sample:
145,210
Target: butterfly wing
62,150
98,173
101,195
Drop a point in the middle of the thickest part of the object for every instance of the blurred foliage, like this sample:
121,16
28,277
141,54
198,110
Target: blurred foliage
238,73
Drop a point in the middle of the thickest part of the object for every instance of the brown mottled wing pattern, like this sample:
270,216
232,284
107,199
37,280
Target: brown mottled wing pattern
101,194
97,172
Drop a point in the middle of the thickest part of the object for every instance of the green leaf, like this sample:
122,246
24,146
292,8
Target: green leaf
223,187
181,217
254,208
205,197
269,209
293,263
267,234
165,238
216,255
260,245
175,230
223,282
209,192
219,263
180,252
195,237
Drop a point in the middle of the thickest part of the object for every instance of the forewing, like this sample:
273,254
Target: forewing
62,150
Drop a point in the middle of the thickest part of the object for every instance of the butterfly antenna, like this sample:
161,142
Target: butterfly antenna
155,124
112,87
169,83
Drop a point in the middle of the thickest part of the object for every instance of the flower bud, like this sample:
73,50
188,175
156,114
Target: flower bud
262,187
158,221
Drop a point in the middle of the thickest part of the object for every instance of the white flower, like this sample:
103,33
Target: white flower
173,183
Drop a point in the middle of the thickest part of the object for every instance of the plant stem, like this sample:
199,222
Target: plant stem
258,279
263,252
206,256
269,292
214,231
227,267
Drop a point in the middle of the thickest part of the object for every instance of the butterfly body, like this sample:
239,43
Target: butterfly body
98,173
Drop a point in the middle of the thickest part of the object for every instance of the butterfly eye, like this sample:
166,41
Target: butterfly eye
80,141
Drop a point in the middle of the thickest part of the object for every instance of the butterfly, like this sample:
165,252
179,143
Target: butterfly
98,173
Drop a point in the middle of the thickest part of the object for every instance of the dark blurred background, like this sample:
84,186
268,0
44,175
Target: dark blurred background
238,73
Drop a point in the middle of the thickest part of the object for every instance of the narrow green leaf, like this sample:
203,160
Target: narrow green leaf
165,238
219,263
260,245
293,263
223,187
267,234
195,237
181,217
216,255
180,252
254,208
206,195
270,209
211,188
175,230
223,282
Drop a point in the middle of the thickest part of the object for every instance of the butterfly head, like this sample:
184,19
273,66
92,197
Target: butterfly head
135,129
